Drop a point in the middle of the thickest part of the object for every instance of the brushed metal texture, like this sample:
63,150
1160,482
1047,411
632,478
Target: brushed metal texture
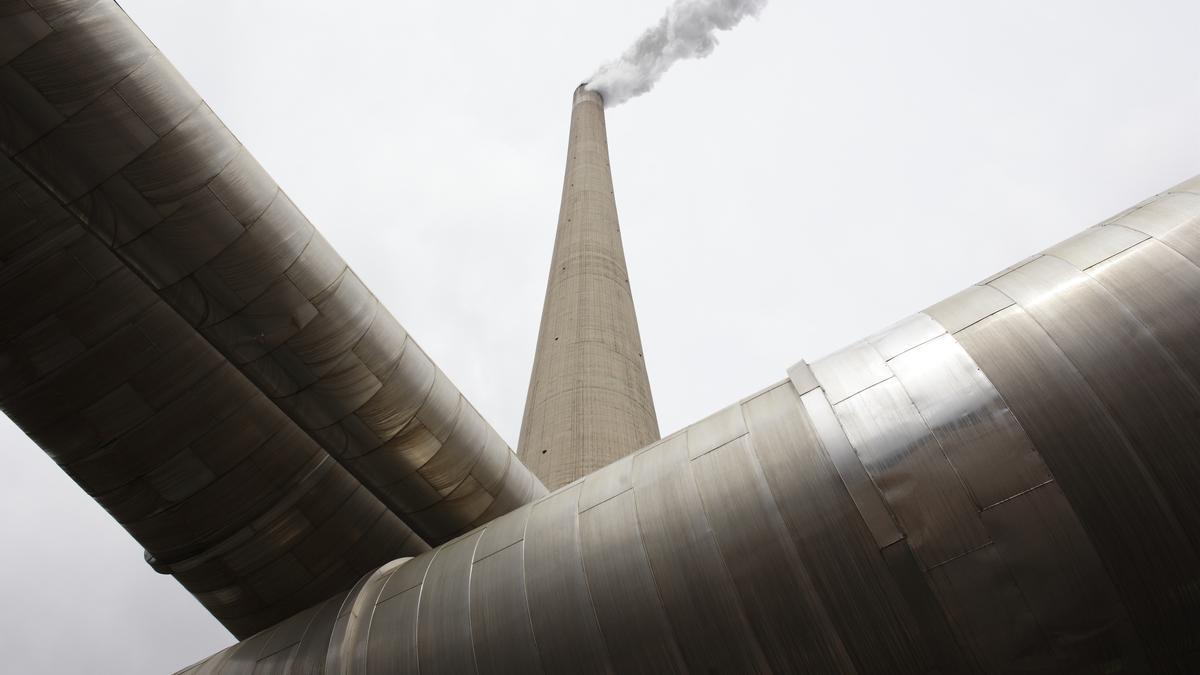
975,429
1162,289
1157,413
780,602
624,593
219,486
1003,483
871,506
991,616
560,605
95,114
715,431
908,466
692,577
501,631
1052,560
904,335
1146,552
828,532
444,617
967,307
849,371
938,644
1095,245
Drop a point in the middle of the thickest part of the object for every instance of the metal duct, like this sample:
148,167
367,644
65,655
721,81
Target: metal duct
92,111
1002,483
220,487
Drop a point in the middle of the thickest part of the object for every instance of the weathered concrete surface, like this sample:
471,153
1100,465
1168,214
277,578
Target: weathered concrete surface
589,397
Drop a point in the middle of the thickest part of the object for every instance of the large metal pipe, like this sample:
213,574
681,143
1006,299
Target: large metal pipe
221,488
589,400
96,114
1002,483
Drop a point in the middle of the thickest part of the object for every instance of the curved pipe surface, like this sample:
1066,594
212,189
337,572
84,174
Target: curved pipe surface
95,113
1002,483
219,486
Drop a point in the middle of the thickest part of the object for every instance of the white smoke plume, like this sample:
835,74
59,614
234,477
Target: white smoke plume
686,31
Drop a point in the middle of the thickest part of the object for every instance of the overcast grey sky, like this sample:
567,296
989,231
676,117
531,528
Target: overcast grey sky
832,167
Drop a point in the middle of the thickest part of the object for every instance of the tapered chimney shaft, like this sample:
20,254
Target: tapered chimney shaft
589,400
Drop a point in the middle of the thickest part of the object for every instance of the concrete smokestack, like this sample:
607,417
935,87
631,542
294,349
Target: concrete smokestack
589,400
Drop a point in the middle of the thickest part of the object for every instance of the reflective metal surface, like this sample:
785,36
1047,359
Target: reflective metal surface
92,112
998,484
219,486
1002,483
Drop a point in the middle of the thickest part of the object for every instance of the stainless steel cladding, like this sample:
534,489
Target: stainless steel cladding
223,490
1002,483
1005,482
589,399
92,112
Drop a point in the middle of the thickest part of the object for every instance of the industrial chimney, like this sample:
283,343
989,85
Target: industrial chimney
589,400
